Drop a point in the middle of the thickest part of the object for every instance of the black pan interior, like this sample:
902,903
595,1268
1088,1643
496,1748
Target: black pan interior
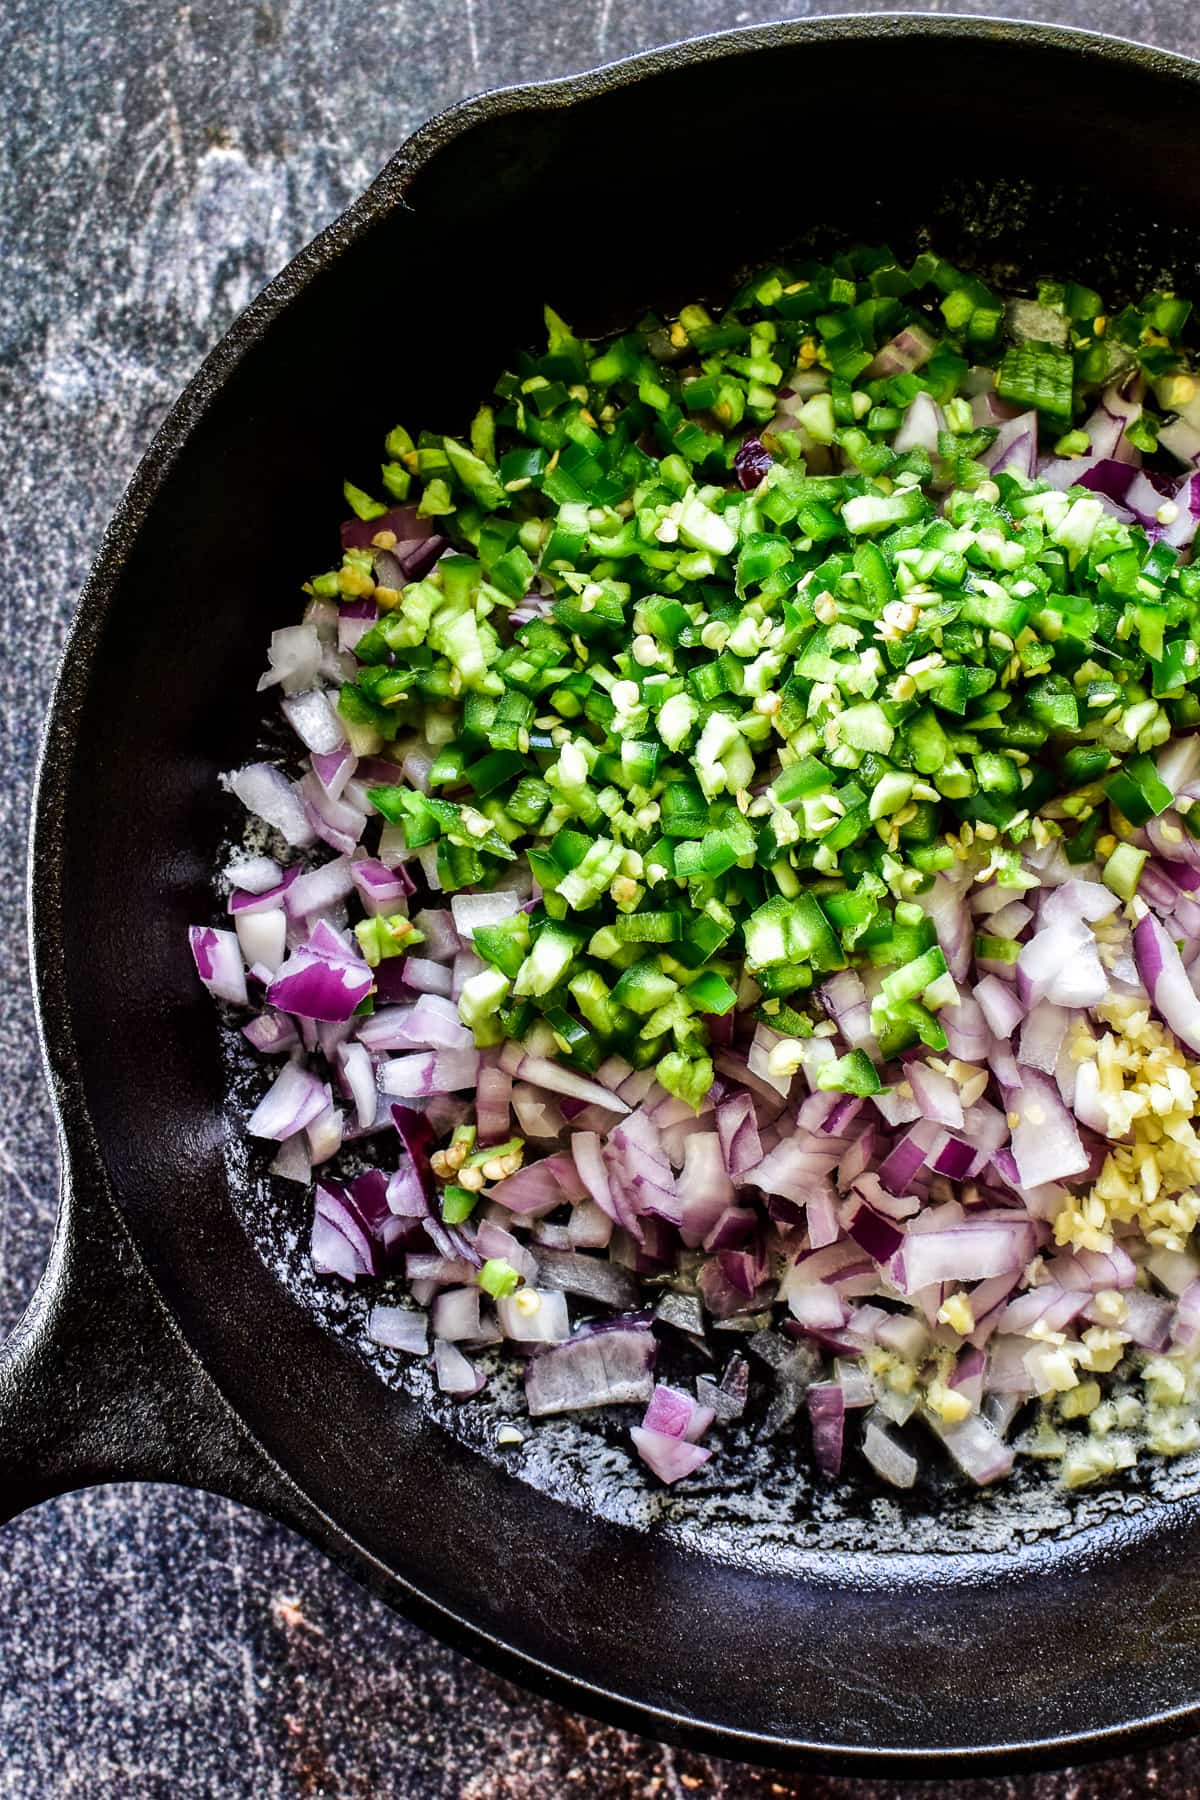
755,1610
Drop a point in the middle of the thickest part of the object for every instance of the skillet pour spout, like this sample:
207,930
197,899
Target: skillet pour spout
176,1334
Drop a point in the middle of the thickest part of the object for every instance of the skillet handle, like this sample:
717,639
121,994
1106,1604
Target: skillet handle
97,1385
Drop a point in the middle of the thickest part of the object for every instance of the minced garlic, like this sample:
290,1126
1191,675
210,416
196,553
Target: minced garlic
1148,1092
956,1312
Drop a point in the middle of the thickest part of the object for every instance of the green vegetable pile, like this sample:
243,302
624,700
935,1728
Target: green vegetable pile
771,674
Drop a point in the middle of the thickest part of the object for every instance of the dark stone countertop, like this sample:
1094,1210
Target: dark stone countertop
159,162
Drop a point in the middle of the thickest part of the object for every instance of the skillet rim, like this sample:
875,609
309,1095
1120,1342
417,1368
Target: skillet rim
386,192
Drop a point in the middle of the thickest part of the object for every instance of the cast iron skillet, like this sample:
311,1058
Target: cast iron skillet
856,1630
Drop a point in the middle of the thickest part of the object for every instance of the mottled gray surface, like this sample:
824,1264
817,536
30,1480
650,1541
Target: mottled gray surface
158,163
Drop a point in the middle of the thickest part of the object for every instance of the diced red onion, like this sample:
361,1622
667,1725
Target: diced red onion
1186,1331
907,1157
895,1108
1175,1270
492,1098
1050,1305
1171,993
440,1072
293,1100
670,1458
218,959
539,1071
675,1414
338,823
999,1005
381,890
972,1251
540,1186
271,1033
594,1368
737,1128
877,1235
968,1035
1042,1035
316,987
920,427
945,905
705,1188
324,1133
589,1227
442,942
936,1094
826,1404
1015,446
591,1277
910,349
432,1023
424,976
358,1075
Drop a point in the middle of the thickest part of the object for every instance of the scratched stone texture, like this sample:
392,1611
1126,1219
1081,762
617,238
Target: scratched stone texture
158,162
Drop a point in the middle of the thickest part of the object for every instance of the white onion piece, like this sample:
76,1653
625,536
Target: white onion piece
456,1315
1045,1141
399,1328
324,1132
920,426
470,911
1042,1037
589,1227
887,1456
253,874
292,1161
294,656
314,721
358,1073
271,797
455,1375
539,1071
424,976
979,1453
548,1323
263,937
537,1115
319,888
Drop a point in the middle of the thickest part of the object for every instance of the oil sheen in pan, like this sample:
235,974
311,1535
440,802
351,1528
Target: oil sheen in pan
758,1502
